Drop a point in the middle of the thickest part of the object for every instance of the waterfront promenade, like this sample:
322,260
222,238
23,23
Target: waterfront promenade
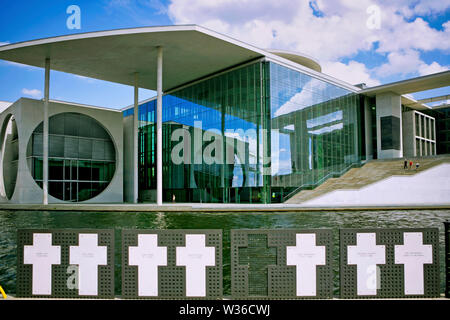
203,207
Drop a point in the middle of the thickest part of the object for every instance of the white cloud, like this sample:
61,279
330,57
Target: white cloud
407,62
354,72
425,7
290,24
340,30
34,93
401,35
434,67
399,63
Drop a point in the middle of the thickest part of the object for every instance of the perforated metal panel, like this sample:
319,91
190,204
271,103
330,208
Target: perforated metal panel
259,267
391,280
172,278
62,277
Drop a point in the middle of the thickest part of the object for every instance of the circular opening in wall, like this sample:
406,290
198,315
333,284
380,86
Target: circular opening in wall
81,157
9,156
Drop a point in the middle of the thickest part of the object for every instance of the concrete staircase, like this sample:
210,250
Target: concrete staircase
372,171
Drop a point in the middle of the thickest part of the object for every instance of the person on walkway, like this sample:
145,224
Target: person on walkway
410,164
405,164
417,165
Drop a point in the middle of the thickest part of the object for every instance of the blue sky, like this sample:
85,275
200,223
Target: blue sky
353,42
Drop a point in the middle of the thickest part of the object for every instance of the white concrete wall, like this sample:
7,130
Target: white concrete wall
29,114
388,104
429,187
5,175
8,157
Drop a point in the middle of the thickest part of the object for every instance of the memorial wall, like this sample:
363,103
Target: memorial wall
265,263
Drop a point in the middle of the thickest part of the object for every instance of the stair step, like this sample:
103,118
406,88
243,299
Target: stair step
369,173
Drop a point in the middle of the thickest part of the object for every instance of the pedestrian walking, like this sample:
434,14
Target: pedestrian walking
410,164
417,165
405,164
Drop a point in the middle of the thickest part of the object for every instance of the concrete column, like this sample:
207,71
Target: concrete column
135,139
159,188
45,134
389,126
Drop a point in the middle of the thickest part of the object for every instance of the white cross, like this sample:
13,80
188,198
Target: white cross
42,255
413,254
147,256
195,256
88,256
366,255
306,256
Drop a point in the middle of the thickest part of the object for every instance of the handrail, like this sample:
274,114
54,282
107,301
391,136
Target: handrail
315,185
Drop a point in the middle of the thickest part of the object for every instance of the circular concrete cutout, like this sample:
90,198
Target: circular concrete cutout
81,160
9,156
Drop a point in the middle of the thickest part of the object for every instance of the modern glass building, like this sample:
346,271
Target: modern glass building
265,130
230,123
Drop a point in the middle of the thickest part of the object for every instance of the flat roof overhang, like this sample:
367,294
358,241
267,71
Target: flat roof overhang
189,52
428,82
412,103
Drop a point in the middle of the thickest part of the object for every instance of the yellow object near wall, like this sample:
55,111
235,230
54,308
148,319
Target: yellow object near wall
3,292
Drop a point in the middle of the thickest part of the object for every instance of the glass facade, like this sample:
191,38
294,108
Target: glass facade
316,131
82,157
442,127
249,135
211,140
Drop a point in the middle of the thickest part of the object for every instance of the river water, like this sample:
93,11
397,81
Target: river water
11,221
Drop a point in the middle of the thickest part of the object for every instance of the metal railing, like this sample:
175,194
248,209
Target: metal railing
310,186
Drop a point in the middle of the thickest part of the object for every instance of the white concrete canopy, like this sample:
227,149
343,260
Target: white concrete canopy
412,103
435,99
190,52
299,58
428,82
